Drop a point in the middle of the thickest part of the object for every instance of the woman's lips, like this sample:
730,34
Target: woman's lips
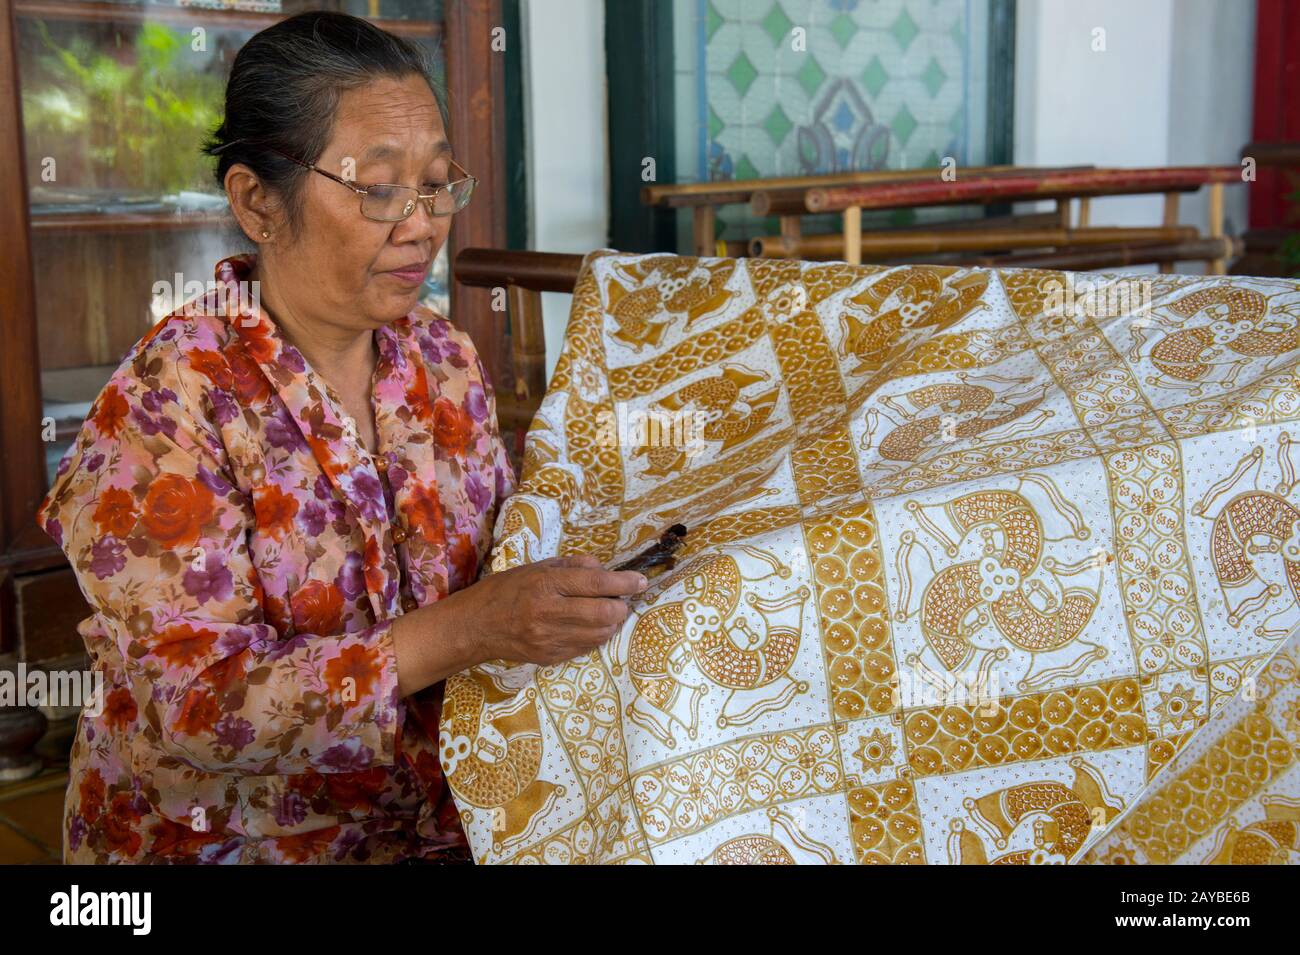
410,274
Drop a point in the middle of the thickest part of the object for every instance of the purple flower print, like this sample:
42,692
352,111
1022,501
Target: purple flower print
238,639
154,400
234,731
478,495
216,854
76,832
368,496
290,809
150,425
284,648
348,757
476,402
282,431
313,518
95,463
213,582
505,482
351,579
224,410
55,530
388,350
292,359
432,352
107,557
215,483
348,842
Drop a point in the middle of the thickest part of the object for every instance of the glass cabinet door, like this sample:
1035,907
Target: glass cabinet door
116,100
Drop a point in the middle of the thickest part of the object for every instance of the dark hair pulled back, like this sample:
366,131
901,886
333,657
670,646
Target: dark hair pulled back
284,88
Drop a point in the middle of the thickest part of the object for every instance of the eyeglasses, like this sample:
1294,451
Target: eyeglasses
389,202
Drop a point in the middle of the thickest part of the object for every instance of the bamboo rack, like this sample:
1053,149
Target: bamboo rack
1063,187
884,245
704,198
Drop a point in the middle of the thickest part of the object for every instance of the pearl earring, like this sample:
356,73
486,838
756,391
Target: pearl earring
265,234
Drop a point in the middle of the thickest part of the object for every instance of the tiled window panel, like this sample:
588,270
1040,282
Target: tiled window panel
878,84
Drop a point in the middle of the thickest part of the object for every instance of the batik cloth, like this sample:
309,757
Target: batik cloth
245,558
983,566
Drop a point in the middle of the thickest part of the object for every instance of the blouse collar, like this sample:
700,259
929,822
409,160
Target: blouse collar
401,402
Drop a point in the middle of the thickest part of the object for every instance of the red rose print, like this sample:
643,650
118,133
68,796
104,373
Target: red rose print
91,795
251,385
423,509
115,513
452,425
359,663
182,645
212,365
109,412
317,608
119,709
275,509
199,713
175,509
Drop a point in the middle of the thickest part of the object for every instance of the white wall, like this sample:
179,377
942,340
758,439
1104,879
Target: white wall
1172,88
566,134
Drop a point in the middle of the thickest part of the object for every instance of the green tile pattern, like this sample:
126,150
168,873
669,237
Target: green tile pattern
873,84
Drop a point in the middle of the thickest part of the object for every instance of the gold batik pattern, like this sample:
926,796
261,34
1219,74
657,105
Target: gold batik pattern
970,577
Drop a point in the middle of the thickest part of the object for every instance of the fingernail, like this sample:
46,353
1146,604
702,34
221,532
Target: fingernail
645,582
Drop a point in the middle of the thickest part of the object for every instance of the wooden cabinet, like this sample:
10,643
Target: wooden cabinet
103,106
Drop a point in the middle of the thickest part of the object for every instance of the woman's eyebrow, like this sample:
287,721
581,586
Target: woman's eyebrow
381,151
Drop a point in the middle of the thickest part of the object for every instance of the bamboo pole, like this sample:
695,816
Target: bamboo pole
984,190
853,235
1216,266
1116,256
1063,213
787,201
1169,218
874,245
704,220
721,193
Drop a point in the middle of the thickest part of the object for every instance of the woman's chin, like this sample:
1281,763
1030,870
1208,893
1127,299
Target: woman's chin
395,303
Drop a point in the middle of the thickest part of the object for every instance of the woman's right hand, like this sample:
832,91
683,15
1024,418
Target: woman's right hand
547,612
550,611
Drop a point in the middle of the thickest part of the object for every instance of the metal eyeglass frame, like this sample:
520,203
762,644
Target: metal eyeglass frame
410,207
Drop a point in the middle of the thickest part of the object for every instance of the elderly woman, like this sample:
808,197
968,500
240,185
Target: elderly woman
279,516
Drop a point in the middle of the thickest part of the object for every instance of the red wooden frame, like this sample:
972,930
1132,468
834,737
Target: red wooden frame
1277,104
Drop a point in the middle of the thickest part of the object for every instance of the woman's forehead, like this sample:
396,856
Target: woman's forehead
390,128
403,109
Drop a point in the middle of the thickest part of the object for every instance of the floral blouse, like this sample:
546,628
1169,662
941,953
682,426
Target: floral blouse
245,558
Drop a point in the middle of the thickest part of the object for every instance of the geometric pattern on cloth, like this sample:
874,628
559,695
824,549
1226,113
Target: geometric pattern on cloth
982,566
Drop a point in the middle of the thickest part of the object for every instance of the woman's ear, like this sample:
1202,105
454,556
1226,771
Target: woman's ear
251,203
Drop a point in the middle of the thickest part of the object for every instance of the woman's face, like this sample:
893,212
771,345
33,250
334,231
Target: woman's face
340,267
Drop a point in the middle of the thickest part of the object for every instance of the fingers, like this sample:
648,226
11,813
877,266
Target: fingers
598,582
593,613
573,560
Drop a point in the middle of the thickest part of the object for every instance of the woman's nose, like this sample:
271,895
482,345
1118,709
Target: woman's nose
422,224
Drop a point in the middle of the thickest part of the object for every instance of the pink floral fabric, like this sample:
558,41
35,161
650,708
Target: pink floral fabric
246,558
